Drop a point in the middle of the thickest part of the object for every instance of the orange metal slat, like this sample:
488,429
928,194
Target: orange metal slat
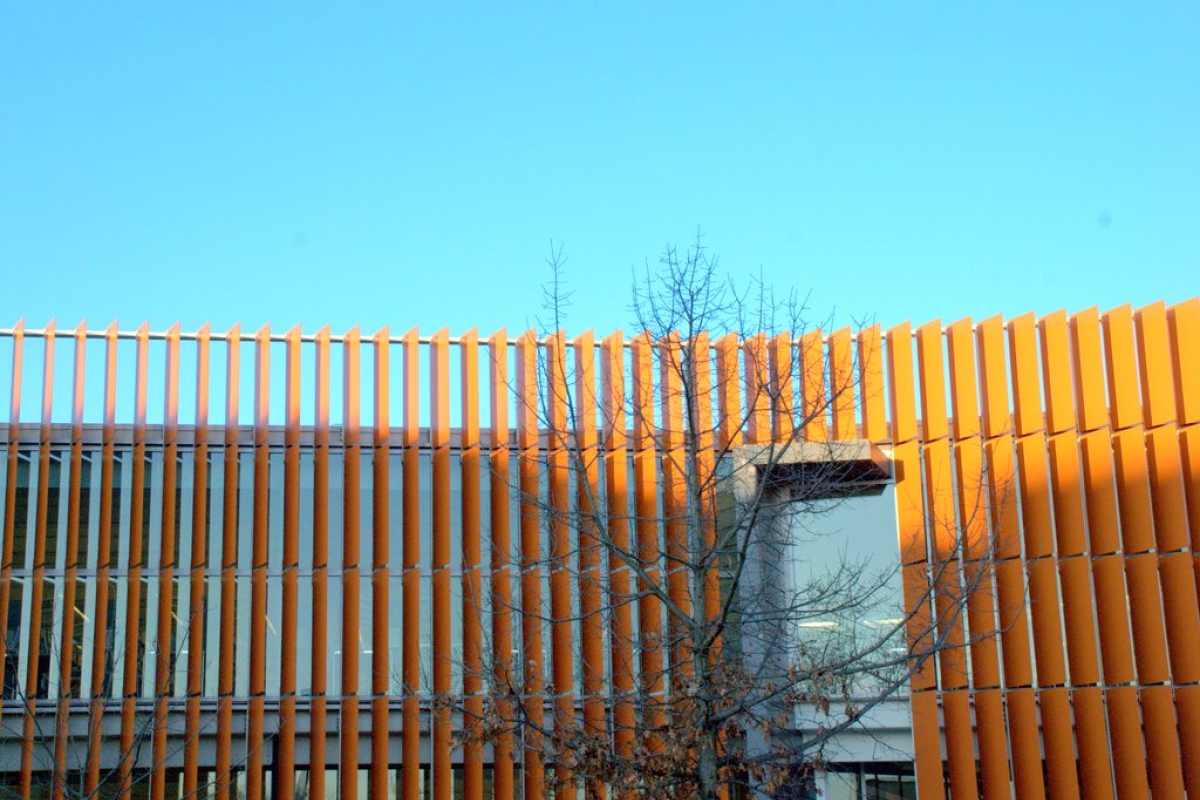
1014,623
1121,363
960,745
589,579
993,377
1189,442
472,574
673,480
911,517
757,420
104,556
285,761
870,385
1058,743
320,565
1163,756
1005,517
616,468
910,503
1184,326
1066,488
947,582
528,465
134,565
1047,626
1145,609
931,368
71,555
993,743
1187,706
900,383
439,431
1056,372
701,424
35,639
348,762
1095,767
558,463
729,406
973,524
380,563
1112,607
501,563
1088,359
1181,615
1129,752
13,435
197,621
1104,532
842,385
411,577
1034,484
1080,621
816,400
781,365
1026,387
1154,365
927,746
645,479
258,577
964,396
1167,491
229,540
1027,766
164,639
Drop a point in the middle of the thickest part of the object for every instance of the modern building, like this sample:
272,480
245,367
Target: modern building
247,565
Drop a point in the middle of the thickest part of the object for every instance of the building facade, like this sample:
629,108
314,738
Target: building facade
249,565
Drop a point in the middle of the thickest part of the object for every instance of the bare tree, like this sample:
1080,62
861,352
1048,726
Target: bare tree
664,525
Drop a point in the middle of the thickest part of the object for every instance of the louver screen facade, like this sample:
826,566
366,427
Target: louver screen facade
246,564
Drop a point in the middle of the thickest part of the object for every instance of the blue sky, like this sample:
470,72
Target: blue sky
399,165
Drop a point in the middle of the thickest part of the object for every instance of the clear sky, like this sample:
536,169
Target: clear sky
404,165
